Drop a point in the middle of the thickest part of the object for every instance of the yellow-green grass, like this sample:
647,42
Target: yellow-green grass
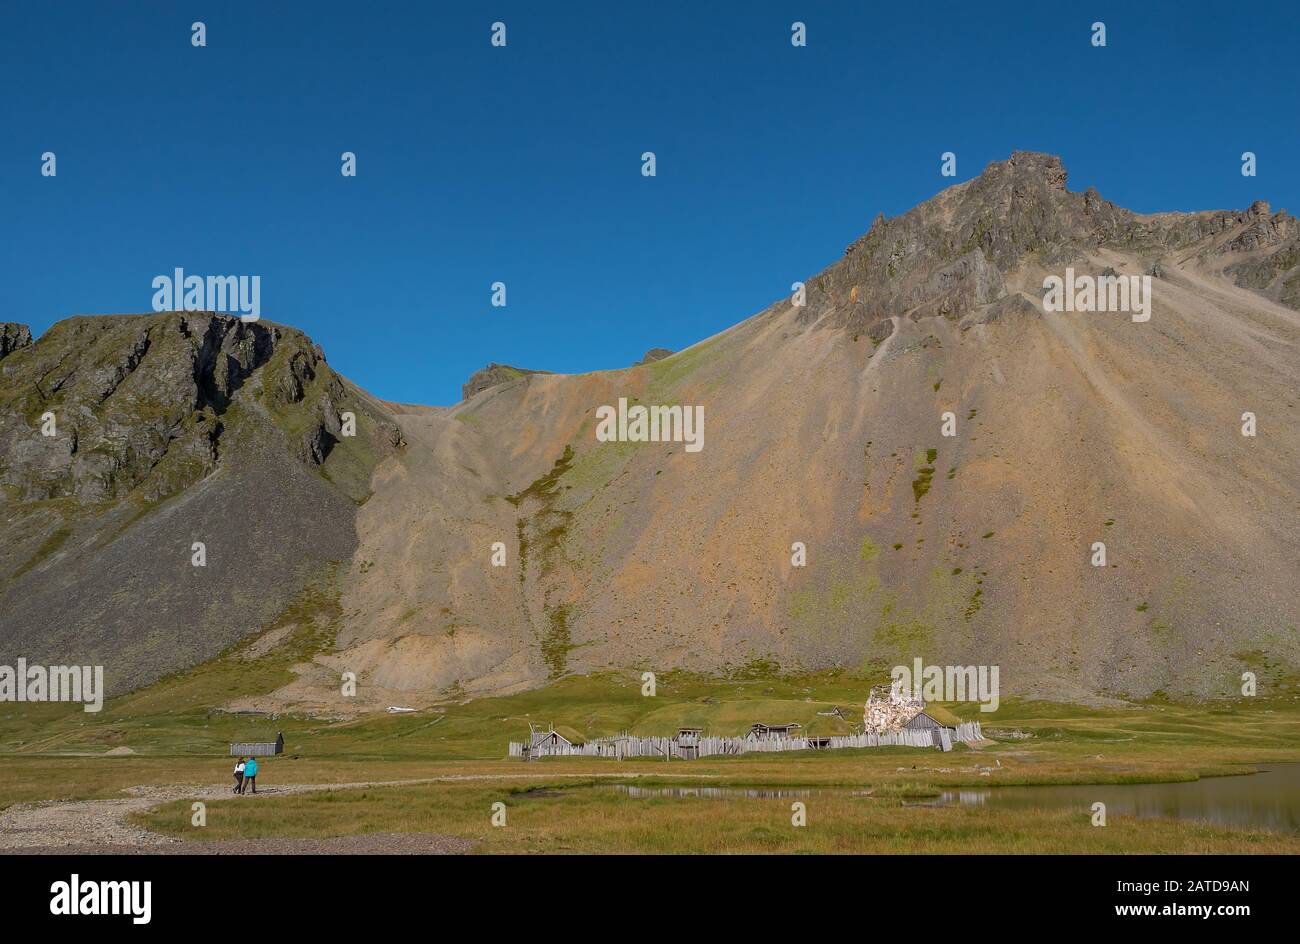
1152,743
181,714
177,737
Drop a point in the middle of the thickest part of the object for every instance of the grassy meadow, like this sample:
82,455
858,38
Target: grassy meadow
857,800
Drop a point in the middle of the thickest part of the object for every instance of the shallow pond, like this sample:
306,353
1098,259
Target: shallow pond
1269,799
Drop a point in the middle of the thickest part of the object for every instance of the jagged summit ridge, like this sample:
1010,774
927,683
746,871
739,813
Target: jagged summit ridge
951,256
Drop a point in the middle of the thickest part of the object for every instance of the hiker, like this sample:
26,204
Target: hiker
239,774
250,774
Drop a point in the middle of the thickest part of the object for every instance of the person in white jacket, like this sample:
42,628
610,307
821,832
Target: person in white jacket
239,776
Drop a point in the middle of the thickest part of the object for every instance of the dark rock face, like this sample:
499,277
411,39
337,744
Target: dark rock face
13,336
141,402
654,354
169,429
493,375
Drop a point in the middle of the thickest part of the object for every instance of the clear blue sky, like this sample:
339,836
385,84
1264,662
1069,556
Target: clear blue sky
522,164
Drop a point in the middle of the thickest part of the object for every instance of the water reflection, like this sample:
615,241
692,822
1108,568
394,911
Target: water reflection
1267,800
713,793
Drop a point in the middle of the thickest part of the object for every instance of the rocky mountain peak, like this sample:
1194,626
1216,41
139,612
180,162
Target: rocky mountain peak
951,255
1033,164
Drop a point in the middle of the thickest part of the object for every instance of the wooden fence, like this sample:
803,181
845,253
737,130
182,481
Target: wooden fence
669,749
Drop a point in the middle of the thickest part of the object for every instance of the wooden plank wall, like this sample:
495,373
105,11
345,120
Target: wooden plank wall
669,749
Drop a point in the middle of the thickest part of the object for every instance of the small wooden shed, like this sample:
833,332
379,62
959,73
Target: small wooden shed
941,733
258,748
547,744
688,743
922,722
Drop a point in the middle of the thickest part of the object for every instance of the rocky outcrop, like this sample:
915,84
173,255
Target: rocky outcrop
654,354
1266,250
1258,228
13,336
102,406
494,375
1015,305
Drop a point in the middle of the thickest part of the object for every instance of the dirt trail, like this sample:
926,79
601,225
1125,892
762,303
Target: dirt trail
65,825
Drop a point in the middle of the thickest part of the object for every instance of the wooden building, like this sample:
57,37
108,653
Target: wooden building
548,743
761,730
258,748
687,743
941,733
922,722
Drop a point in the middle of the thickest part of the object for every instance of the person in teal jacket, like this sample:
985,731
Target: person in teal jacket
250,773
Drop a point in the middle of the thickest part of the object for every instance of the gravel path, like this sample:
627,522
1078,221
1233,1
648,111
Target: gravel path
100,826
75,823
